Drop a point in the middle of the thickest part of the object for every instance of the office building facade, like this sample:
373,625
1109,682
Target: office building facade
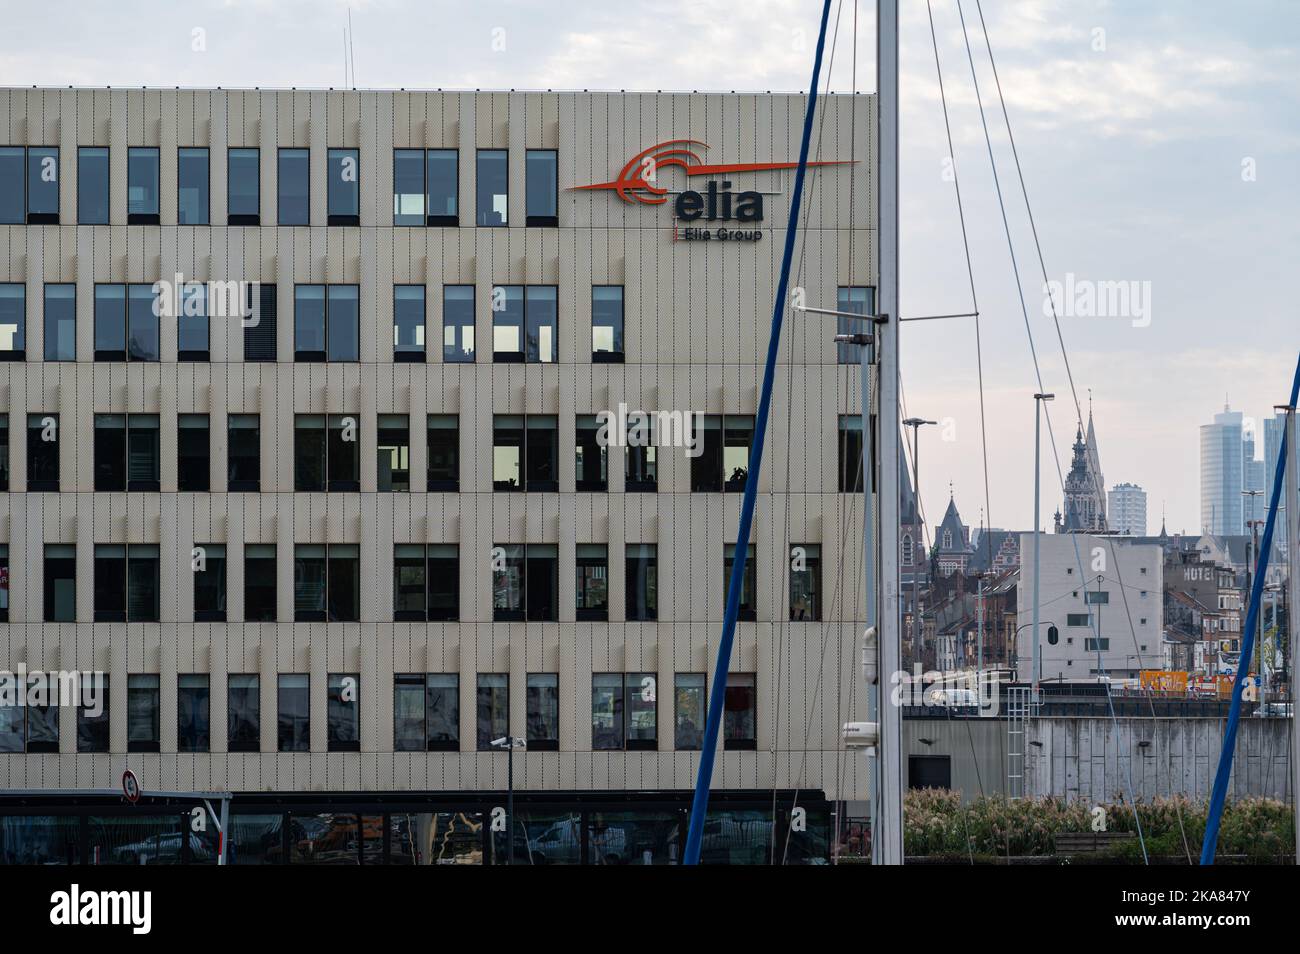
348,432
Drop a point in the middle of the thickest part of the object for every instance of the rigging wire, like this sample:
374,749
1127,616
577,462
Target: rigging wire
1038,374
1098,491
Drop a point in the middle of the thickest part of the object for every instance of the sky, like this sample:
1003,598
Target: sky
1159,145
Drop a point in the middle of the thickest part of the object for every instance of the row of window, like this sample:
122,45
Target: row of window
326,322
426,582
426,186
327,454
426,713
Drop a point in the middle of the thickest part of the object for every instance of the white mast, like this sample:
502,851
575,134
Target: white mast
887,838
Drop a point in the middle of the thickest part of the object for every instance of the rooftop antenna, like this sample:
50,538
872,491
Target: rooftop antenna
351,57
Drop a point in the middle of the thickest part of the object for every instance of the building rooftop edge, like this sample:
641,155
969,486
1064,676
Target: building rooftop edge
430,89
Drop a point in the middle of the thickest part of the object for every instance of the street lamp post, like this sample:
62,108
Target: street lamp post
1037,662
916,423
510,743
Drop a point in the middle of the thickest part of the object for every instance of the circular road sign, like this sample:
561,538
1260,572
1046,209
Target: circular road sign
130,786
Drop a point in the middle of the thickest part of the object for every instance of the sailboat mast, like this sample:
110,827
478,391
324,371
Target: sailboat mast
887,835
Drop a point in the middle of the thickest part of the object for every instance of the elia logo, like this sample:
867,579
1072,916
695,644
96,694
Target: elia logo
638,181
76,907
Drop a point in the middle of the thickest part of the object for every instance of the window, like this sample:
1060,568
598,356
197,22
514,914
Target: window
194,458
192,323
855,300
4,453
929,771
706,469
806,582
244,452
126,583
126,324
13,322
737,437
394,451
29,185
126,452
748,581
142,185
906,557
326,323
641,473
32,726
642,582
208,562
327,582
61,322
43,185
458,324
342,192
92,185
295,188
1092,644
444,452
343,712
850,466
524,323
426,712
42,452
492,706
607,323
623,710
593,581
543,711
92,714
493,187
541,185
193,712
689,711
1078,619
740,712
425,181
1096,597
60,583
293,690
592,455
4,582
525,455
243,712
408,187
443,186
426,582
525,582
192,186
13,203
142,707
244,187
259,582
326,453
408,322
259,327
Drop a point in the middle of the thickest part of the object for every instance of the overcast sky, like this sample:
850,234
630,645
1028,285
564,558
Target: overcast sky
1160,144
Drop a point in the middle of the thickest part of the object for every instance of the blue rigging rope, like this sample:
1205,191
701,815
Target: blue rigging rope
700,804
1220,791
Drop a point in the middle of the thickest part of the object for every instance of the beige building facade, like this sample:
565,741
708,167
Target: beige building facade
695,320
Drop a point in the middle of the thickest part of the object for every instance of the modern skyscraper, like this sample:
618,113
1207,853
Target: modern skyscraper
1126,510
1223,473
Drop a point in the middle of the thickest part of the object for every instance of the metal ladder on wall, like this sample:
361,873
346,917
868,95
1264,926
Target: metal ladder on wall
1019,711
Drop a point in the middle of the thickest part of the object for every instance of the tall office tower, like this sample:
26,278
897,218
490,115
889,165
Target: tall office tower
1127,509
1222,474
